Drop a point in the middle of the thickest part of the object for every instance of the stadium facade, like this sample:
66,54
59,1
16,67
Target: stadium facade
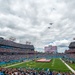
50,49
70,53
10,47
71,48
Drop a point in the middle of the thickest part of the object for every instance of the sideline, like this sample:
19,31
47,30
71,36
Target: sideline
68,66
15,64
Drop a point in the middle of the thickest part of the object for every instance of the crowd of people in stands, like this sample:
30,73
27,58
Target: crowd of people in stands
72,56
23,71
69,58
15,50
10,57
7,58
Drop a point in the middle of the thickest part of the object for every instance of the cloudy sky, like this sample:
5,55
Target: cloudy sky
29,20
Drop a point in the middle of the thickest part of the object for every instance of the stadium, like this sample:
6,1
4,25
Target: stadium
22,59
37,37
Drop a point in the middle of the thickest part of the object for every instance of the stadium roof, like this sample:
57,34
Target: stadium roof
14,44
72,45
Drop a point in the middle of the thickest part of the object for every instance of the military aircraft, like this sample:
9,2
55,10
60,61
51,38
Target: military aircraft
50,24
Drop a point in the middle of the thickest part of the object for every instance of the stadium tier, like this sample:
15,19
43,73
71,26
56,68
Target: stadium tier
10,47
13,52
70,54
72,45
71,48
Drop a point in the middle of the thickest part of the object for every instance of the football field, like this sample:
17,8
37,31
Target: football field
54,65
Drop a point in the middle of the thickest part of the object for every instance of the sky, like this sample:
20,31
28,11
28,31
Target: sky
29,20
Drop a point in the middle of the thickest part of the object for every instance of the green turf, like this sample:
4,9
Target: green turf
72,65
55,64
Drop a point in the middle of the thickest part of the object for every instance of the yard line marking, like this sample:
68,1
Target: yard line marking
41,65
53,62
15,64
68,66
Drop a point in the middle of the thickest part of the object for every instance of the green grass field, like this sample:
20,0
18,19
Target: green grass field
55,65
71,65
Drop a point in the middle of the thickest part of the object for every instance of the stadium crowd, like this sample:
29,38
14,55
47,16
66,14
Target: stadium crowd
23,71
69,58
8,58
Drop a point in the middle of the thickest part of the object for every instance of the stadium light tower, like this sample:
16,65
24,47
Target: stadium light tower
12,38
